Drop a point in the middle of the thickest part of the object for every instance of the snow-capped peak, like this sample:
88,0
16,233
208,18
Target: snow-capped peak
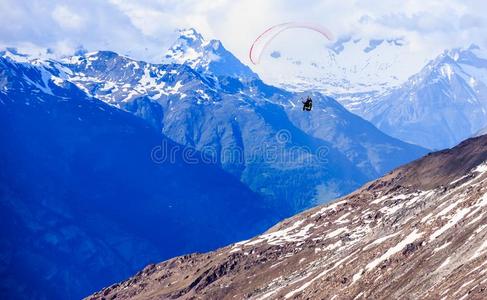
451,87
15,55
190,34
466,63
209,57
29,53
188,48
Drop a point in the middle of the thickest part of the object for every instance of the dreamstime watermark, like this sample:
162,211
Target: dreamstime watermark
279,150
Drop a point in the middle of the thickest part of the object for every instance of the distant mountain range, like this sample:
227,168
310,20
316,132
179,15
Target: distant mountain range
433,104
438,107
219,110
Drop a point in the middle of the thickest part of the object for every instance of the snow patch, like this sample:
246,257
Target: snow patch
381,240
454,220
391,251
336,232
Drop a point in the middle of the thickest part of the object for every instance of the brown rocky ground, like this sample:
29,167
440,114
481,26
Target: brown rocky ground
418,233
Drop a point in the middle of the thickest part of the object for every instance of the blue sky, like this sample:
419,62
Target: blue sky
145,28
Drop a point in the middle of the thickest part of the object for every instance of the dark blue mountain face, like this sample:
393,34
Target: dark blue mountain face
83,203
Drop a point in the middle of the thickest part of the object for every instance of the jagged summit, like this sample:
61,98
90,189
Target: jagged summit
191,34
187,48
209,57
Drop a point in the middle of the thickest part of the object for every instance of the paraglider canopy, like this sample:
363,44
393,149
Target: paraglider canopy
265,38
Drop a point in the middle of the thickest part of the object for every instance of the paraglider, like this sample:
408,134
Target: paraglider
265,38
308,104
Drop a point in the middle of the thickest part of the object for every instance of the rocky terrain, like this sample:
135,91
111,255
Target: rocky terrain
418,232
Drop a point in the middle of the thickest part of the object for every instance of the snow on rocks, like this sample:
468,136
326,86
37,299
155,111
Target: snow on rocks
383,241
391,251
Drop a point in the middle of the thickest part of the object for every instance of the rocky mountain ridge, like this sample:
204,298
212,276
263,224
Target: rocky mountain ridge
418,232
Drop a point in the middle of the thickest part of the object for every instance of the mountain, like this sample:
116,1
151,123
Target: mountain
252,130
418,232
438,107
207,57
88,196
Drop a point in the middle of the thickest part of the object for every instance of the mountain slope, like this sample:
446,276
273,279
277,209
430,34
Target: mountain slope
224,114
418,232
86,199
372,151
438,107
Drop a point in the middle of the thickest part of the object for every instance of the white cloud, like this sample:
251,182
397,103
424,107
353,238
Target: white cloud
66,18
145,28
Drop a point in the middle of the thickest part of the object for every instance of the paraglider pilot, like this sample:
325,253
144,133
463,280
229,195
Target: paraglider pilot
308,104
